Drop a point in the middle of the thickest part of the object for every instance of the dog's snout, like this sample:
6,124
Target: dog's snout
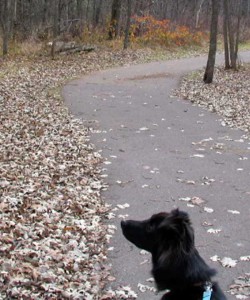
123,224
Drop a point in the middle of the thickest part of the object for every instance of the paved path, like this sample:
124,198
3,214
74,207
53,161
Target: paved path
163,149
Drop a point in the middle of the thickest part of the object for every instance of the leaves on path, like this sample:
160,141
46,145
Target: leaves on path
234,212
208,210
241,287
228,95
226,262
144,288
213,230
53,237
245,258
198,155
124,292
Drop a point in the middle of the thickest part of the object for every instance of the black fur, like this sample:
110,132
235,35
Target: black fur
177,265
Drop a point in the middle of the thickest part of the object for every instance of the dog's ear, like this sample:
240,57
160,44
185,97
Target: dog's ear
177,231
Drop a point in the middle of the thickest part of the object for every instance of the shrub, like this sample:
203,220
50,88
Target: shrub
148,30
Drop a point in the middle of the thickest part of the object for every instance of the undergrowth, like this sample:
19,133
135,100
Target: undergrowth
161,36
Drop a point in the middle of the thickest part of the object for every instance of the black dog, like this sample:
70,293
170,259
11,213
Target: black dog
177,265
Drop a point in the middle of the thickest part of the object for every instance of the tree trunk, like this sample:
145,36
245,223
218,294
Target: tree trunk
56,24
5,43
97,13
237,35
45,13
209,72
115,18
225,34
231,39
127,31
198,14
5,21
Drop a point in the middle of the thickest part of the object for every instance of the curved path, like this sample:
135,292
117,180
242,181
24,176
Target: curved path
161,150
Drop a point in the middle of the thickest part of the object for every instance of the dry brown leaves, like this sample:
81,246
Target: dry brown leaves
241,287
228,95
52,239
52,234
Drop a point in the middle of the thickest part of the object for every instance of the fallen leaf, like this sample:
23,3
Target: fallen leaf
187,199
197,201
208,210
215,258
123,206
234,212
228,262
198,155
212,230
245,258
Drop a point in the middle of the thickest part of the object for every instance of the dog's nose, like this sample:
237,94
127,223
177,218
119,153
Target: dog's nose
123,224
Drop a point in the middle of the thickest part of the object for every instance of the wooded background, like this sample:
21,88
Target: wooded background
46,19
41,18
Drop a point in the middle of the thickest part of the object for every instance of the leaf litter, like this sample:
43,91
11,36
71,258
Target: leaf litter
53,235
193,200
241,287
228,95
226,262
213,230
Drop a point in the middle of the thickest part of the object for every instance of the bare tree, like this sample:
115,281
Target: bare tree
6,19
198,14
115,18
231,31
97,12
209,72
236,48
56,18
129,10
225,33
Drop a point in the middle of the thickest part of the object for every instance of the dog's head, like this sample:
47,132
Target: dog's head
170,239
162,232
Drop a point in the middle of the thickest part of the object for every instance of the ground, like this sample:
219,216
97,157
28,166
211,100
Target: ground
53,230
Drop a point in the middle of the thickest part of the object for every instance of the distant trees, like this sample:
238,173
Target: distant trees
231,31
232,16
43,19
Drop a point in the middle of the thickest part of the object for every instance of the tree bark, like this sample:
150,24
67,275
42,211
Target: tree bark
97,13
115,18
225,33
209,72
56,25
231,39
5,21
127,31
198,14
79,5
237,35
233,11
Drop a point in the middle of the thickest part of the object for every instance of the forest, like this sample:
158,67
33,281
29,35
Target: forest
174,21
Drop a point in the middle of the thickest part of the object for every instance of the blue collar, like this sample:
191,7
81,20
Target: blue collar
208,291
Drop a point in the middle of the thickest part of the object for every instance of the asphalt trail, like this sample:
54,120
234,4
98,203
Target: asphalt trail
160,149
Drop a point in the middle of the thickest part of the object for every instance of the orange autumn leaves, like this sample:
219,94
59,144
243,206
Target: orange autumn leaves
148,30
